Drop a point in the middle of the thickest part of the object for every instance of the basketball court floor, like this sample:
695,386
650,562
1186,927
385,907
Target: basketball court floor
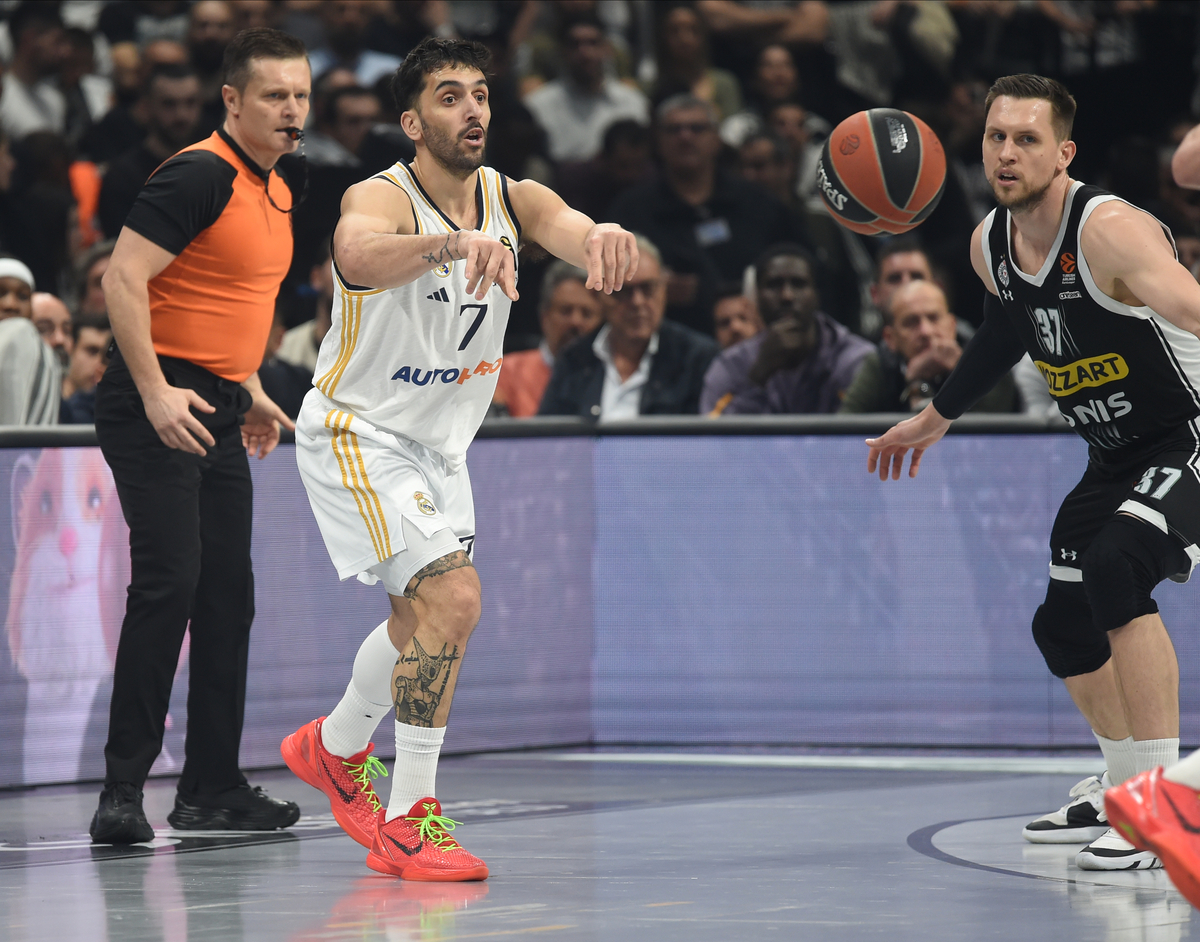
599,845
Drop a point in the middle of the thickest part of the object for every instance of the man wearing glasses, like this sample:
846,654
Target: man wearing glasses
709,224
635,363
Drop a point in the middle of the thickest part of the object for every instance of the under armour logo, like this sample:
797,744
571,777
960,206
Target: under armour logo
1006,295
1069,554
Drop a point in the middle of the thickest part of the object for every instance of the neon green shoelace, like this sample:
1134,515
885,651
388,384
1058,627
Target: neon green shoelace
362,775
434,828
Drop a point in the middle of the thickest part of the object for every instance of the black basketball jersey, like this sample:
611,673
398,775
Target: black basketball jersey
1120,375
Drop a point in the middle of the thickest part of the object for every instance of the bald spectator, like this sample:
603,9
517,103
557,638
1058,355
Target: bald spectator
345,23
568,311
31,100
735,316
30,377
211,24
575,109
802,363
920,346
53,323
172,108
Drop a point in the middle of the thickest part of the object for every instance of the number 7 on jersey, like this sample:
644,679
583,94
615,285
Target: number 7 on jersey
482,312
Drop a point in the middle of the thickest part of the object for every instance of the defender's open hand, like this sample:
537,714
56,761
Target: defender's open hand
918,433
612,257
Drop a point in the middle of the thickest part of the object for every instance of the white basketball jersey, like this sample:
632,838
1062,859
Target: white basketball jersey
422,360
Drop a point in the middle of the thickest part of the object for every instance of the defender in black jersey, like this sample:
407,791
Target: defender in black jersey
1090,287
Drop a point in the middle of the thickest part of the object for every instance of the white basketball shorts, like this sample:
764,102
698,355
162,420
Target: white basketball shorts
386,505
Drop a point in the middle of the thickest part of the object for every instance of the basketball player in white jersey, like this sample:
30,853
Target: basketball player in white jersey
425,259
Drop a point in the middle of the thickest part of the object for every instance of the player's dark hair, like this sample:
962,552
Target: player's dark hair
784,250
257,43
898,246
430,55
1062,104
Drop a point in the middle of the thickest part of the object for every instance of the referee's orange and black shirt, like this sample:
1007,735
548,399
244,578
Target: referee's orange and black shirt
208,206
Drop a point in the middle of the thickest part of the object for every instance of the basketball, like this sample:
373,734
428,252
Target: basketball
881,172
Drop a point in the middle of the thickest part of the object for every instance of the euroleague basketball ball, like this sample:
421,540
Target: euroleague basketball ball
881,171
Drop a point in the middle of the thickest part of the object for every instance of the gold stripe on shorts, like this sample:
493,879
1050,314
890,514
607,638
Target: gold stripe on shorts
350,461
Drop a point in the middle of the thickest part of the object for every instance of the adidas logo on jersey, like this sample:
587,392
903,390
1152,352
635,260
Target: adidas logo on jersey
439,295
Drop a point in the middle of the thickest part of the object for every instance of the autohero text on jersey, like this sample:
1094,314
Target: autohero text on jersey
422,376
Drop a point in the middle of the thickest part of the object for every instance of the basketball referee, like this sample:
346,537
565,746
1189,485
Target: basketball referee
191,291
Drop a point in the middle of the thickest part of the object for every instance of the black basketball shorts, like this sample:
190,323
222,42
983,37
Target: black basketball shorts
1161,486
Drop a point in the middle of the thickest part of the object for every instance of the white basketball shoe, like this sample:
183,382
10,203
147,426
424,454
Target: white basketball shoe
1079,821
1111,851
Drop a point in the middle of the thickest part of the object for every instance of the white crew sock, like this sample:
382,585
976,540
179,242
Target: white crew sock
1186,772
347,730
1119,757
413,778
1152,753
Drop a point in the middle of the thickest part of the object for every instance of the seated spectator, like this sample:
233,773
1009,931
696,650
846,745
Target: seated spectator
211,25
624,161
734,315
343,122
919,349
173,119
568,310
802,363
637,363
30,377
776,79
767,159
710,224
300,345
684,64
345,23
53,323
575,109
89,275
900,261
91,337
31,100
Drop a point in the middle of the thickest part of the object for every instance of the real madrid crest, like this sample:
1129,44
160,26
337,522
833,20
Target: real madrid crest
424,504
443,270
1002,272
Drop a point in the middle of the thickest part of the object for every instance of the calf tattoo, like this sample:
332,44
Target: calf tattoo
417,698
456,560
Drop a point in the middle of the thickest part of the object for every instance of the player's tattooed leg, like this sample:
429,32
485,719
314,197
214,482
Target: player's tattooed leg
456,560
421,682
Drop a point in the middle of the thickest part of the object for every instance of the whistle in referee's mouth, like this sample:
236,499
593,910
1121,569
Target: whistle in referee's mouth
296,134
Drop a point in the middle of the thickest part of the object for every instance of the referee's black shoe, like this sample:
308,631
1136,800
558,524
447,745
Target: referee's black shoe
239,809
120,818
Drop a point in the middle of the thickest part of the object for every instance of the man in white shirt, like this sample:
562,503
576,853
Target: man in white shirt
30,101
636,363
576,109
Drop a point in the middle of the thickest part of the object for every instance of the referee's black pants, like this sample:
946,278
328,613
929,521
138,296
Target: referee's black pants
189,523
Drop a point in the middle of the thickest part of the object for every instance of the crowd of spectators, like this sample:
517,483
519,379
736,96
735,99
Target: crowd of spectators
697,125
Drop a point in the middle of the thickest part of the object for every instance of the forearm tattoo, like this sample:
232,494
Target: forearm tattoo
456,560
445,253
418,697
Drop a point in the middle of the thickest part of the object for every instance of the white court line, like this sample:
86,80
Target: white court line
1039,765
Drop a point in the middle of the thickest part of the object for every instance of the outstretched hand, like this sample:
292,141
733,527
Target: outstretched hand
612,257
918,433
260,430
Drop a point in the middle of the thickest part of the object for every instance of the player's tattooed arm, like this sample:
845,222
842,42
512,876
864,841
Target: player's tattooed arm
456,560
421,682
445,253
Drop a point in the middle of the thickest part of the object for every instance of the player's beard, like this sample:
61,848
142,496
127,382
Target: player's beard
1022,204
446,152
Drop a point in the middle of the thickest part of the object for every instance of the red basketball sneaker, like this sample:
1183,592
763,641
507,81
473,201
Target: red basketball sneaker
418,846
347,782
1163,817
